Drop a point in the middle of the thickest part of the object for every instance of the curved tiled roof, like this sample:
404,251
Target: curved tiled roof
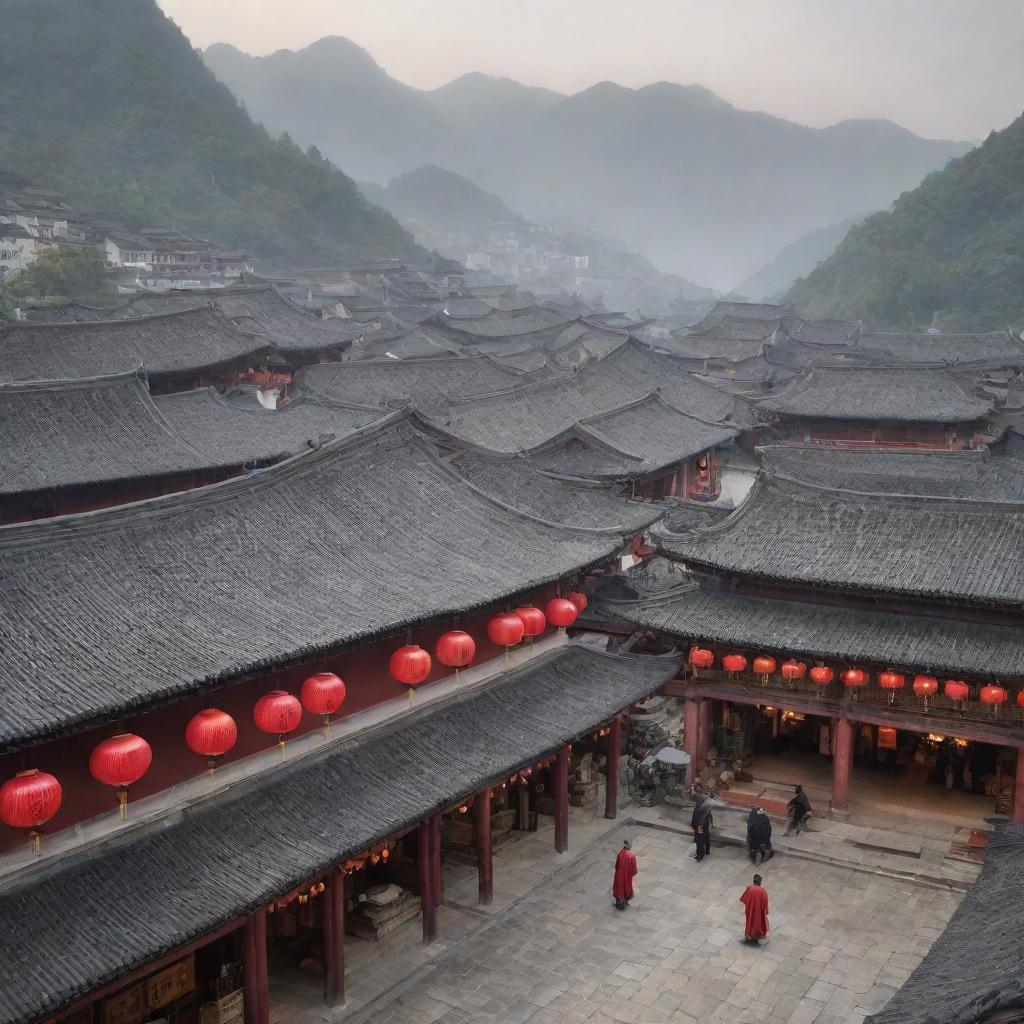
975,968
503,325
877,394
191,341
516,482
971,473
226,429
59,434
949,549
843,633
138,605
250,845
997,349
391,383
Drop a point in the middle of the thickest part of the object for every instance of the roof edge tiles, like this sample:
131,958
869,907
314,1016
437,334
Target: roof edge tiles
251,845
188,557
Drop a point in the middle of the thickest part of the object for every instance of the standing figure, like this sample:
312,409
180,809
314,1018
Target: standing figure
799,811
759,836
625,872
701,824
755,903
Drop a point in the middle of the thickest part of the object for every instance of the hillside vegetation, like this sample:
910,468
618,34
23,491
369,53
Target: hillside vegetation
950,254
106,101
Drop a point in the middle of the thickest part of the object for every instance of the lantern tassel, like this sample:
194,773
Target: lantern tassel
37,841
122,804
410,694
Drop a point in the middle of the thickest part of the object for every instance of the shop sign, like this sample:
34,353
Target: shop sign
137,1002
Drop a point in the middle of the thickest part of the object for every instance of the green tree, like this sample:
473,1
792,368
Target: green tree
68,272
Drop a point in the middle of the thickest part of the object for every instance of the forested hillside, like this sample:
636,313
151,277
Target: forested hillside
107,101
950,254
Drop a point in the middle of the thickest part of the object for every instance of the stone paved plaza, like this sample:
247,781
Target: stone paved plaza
841,941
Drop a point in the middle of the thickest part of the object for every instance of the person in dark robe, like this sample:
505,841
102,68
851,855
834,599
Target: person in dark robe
625,872
759,836
799,811
755,903
701,824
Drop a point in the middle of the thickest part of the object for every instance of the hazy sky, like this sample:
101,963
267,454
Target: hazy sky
943,68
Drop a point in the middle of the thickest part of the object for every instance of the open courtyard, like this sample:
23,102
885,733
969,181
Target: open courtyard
841,942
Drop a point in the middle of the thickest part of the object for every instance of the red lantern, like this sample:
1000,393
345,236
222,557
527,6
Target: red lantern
121,761
925,686
533,620
793,670
30,800
701,657
561,613
734,663
211,733
322,694
410,665
506,629
891,681
763,665
822,675
854,677
579,599
455,649
277,712
1020,698
956,690
993,695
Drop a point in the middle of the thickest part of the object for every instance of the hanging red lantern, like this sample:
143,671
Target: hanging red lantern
30,800
793,670
763,665
410,665
701,657
455,649
121,761
822,675
533,619
277,712
322,694
891,680
925,686
734,663
956,690
560,612
1020,698
579,599
854,677
211,733
993,695
506,629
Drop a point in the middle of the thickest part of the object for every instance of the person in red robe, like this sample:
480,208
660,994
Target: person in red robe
755,902
625,871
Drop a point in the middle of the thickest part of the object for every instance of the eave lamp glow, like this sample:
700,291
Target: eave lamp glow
701,658
734,664
822,675
793,670
993,695
891,681
925,687
764,666
957,691
29,801
120,762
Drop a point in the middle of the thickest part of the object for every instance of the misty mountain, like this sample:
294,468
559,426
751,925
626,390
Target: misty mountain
950,254
796,260
702,188
108,102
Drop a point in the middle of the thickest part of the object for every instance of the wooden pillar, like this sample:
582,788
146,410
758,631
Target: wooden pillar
842,757
611,789
704,733
484,861
256,979
424,837
561,794
523,806
435,862
691,735
725,714
334,939
1017,815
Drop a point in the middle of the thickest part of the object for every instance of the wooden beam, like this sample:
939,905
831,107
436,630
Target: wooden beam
561,794
334,939
423,845
611,789
435,859
256,980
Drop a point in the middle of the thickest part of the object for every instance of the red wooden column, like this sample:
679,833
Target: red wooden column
842,757
484,861
691,734
424,842
704,733
1017,814
611,789
334,939
561,784
256,980
435,859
